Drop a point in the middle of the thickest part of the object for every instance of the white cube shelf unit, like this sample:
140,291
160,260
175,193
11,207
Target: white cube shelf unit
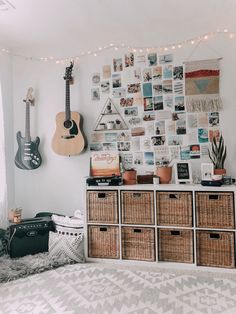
187,224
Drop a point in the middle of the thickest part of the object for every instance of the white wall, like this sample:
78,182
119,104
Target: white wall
6,84
58,185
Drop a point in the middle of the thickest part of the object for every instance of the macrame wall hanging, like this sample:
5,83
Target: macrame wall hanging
202,86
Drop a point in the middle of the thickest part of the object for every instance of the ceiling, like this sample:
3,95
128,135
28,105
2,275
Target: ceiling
65,27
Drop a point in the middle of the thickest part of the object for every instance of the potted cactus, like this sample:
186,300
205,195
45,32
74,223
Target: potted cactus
217,155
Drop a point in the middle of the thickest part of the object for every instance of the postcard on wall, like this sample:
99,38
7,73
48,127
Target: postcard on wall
134,88
162,151
167,72
124,146
203,135
158,103
214,119
134,121
158,140
109,146
105,87
137,75
141,60
138,131
119,92
96,147
147,74
178,72
168,102
148,104
96,79
136,143
157,89
167,87
129,59
149,128
152,59
105,164
175,140
205,151
138,99
106,71
174,152
168,58
203,120
138,158
95,94
164,115
127,102
185,152
130,111
118,65
147,90
97,137
179,103
111,137
179,88
116,80
157,73
170,127
160,127
149,158
127,160
192,120
123,136
195,151
214,132
192,136
181,127
149,116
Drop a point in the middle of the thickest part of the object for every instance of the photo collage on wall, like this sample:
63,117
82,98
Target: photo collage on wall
148,90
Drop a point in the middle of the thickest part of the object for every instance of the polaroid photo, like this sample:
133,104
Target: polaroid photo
147,74
148,104
129,60
106,71
116,80
149,158
95,94
96,79
119,92
166,59
134,88
203,136
158,103
147,90
105,87
167,72
152,59
117,65
178,72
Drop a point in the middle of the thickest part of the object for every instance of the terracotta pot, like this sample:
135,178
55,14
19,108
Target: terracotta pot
130,177
165,174
220,171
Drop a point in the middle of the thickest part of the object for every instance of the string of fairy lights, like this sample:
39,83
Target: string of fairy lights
135,49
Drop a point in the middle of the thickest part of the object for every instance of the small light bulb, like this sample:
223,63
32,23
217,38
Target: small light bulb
95,55
192,42
231,35
225,30
100,48
173,47
116,48
206,37
179,46
165,48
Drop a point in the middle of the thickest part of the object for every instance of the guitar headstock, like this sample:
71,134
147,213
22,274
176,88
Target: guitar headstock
29,96
68,72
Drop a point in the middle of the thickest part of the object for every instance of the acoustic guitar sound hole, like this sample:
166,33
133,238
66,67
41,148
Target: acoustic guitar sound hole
68,124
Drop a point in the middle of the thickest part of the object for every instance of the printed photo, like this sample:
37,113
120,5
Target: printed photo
129,60
157,89
109,146
185,152
202,120
146,143
166,58
203,135
123,146
167,72
141,60
158,103
160,127
95,93
134,88
149,128
214,133
157,73
170,127
175,140
179,88
147,74
179,103
214,119
119,92
164,114
106,71
97,137
135,143
117,65
174,152
96,147
137,75
105,87
168,102
149,158
147,90
148,104
127,160
96,79
192,136
158,140
123,137
150,116
167,87
126,102
192,120
138,131
178,72
152,59
207,171
116,80
178,116
138,158
133,121
111,137
194,151
131,111
181,127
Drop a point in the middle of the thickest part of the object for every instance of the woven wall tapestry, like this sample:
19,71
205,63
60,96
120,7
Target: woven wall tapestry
202,85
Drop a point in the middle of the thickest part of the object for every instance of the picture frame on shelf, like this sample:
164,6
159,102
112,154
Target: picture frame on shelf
207,171
183,172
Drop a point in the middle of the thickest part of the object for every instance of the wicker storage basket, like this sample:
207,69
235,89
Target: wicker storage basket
102,206
137,207
215,248
138,243
175,245
215,210
174,209
103,241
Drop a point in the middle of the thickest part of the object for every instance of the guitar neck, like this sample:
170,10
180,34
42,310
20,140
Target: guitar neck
67,108
27,122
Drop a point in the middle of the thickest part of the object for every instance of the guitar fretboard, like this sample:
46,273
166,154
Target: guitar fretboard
68,114
27,122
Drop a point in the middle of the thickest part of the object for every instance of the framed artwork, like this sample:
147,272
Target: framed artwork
207,171
105,164
183,172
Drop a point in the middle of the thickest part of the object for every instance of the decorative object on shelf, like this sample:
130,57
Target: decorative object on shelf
28,156
15,215
68,138
164,174
145,179
105,120
105,164
202,85
207,171
156,180
218,154
183,172
130,176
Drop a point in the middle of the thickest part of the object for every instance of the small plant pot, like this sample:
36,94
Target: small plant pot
130,177
110,125
220,171
164,174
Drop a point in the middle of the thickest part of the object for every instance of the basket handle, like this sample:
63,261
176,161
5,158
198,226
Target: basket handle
175,232
136,194
173,196
137,230
101,195
214,236
213,197
103,229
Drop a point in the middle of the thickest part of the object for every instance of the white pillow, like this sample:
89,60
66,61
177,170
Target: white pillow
68,225
66,246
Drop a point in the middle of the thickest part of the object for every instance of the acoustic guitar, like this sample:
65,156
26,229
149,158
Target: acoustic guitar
68,138
27,156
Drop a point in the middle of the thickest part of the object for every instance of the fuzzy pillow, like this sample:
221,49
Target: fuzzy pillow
66,246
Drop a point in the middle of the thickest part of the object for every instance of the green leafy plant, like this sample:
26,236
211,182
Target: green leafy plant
218,152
